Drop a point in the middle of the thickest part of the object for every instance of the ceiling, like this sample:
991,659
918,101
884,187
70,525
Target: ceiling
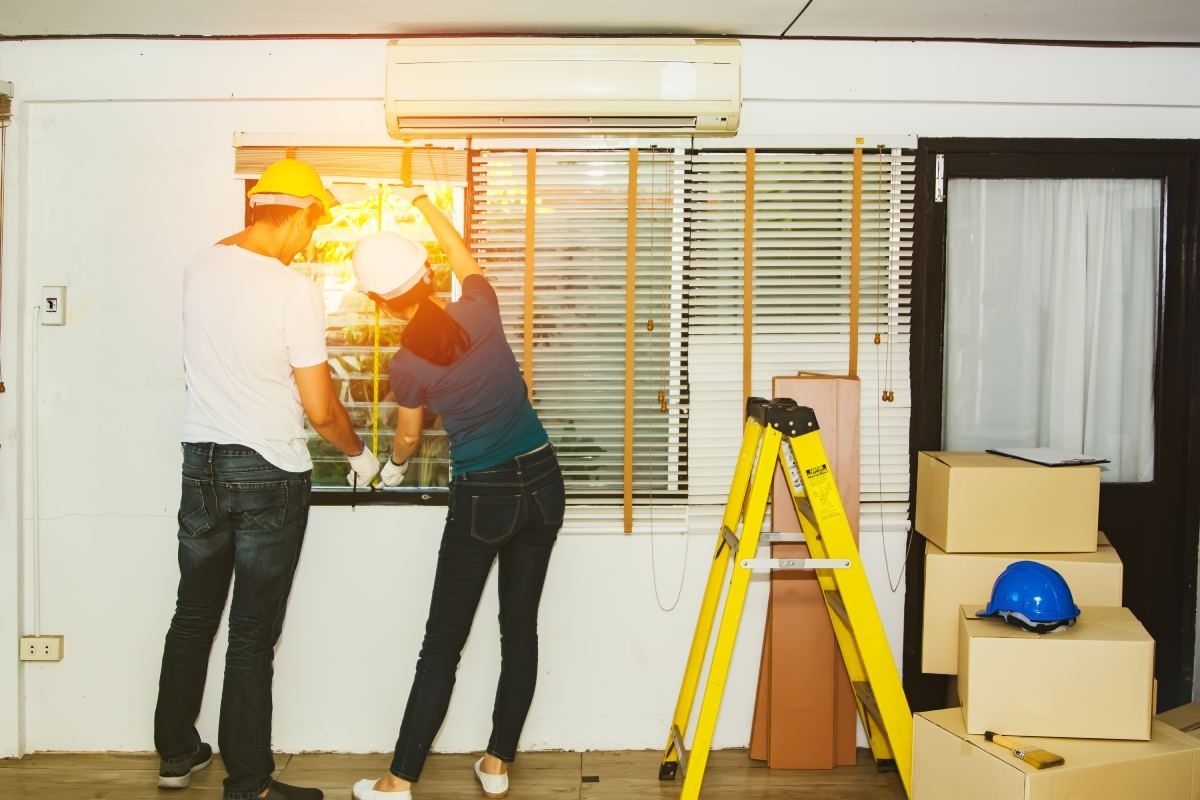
1094,21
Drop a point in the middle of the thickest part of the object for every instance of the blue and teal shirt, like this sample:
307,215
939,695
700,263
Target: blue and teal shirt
481,397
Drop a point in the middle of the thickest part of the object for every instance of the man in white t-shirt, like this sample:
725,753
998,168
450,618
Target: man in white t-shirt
255,364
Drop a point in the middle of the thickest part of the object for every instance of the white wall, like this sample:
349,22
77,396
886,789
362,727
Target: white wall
119,167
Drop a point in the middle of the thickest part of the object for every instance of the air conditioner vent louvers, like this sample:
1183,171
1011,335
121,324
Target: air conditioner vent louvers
511,122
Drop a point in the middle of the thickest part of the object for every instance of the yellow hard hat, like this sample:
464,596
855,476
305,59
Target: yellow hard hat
292,179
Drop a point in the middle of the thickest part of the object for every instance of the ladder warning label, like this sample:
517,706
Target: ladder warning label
821,492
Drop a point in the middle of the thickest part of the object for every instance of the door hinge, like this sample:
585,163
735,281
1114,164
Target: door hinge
939,178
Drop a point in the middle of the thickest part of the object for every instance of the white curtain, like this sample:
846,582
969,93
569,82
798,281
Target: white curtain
1051,302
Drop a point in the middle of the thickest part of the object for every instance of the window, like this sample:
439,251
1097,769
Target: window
361,338
597,324
826,239
634,331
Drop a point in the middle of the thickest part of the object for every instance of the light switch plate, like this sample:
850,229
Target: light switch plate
54,305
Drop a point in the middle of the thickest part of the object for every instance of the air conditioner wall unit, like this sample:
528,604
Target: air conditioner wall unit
452,87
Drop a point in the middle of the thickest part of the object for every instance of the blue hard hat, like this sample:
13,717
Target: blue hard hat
1032,595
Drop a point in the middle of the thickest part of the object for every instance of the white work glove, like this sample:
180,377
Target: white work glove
363,468
392,473
411,193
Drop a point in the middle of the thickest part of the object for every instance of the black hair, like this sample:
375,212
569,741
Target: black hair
431,333
276,216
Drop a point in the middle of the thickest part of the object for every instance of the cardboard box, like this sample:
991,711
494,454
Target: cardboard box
984,503
810,723
950,764
955,579
1094,680
836,400
1185,718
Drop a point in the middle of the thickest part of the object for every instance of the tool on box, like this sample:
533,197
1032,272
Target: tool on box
1034,756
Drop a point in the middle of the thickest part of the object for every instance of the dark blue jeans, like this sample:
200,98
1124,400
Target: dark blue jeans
511,512
240,518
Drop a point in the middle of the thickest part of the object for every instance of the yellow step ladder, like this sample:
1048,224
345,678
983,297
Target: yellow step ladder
782,432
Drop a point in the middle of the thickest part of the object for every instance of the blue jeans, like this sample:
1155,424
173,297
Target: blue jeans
238,516
511,512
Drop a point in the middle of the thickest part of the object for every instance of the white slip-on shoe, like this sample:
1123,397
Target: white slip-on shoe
365,790
494,786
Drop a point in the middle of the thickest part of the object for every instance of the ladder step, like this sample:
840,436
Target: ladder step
781,538
667,771
866,696
730,538
833,599
805,509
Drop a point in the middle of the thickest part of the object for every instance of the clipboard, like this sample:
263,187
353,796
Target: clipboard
1048,456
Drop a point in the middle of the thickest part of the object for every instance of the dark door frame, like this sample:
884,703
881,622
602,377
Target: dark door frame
1160,571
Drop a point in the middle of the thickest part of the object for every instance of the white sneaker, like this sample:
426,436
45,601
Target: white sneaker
365,790
494,786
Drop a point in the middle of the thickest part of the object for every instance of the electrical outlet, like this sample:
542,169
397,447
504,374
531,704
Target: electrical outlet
41,648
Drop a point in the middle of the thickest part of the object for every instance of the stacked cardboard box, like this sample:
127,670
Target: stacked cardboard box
1089,688
951,764
1094,680
956,579
988,503
1185,718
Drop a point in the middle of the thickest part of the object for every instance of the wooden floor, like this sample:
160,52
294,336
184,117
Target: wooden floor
620,775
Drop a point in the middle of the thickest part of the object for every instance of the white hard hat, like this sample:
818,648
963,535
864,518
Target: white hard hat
388,263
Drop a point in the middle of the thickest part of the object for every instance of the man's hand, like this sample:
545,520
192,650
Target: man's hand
363,468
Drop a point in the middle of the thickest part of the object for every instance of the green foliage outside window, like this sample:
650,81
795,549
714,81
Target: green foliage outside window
362,340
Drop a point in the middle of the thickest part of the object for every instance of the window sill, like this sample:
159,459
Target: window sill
380,497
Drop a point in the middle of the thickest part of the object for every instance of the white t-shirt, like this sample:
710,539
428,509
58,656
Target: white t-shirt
247,320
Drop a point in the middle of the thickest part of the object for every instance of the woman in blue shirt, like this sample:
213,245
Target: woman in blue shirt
506,489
